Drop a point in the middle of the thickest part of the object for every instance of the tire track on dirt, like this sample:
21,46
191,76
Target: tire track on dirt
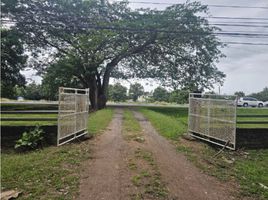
183,180
106,176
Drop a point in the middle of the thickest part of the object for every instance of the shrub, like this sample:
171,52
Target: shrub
30,140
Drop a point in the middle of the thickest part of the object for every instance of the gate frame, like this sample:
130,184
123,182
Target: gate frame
206,137
78,133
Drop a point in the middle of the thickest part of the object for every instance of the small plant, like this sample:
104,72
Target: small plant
30,140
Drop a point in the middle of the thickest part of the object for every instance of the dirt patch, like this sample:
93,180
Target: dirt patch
123,168
106,176
184,181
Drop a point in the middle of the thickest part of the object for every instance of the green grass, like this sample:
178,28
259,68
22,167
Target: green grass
10,107
147,177
130,123
252,173
131,127
99,120
249,169
28,123
47,173
252,111
53,172
170,122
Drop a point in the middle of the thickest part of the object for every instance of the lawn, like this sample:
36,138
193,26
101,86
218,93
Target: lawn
39,106
53,172
252,111
170,122
247,167
29,123
131,127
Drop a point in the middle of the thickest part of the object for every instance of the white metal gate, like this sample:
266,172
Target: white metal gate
73,114
213,118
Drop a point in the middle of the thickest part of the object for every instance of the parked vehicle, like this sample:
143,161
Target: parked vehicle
249,101
266,103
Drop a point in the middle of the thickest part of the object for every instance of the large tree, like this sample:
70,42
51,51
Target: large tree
135,91
262,96
174,45
13,61
117,92
160,94
239,93
60,74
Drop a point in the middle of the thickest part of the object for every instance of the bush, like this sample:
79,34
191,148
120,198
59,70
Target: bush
30,140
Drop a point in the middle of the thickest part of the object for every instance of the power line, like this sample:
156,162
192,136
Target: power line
241,25
247,43
240,22
225,33
210,5
239,18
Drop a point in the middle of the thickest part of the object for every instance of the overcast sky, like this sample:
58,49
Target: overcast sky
246,66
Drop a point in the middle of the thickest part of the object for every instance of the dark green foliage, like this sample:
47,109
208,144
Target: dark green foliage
30,140
12,61
33,91
63,73
135,91
239,94
174,45
262,96
117,92
179,96
161,94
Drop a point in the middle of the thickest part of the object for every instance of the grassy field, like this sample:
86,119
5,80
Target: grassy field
252,111
98,121
131,127
29,123
53,172
170,122
248,167
39,106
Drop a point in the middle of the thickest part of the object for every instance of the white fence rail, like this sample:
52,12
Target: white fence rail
73,114
213,118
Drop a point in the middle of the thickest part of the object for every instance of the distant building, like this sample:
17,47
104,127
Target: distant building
20,99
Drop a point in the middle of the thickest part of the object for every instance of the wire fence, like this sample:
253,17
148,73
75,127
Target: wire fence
213,118
73,114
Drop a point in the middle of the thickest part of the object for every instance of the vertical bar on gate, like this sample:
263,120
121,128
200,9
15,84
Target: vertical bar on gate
209,115
75,107
58,128
189,113
87,107
235,120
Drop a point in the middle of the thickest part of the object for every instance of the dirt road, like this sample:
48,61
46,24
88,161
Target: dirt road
112,174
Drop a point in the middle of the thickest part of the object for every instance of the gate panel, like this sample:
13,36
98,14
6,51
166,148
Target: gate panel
73,114
213,118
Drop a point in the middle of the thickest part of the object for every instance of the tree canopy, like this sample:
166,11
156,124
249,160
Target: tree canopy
117,92
160,94
135,91
262,96
103,40
13,61
239,93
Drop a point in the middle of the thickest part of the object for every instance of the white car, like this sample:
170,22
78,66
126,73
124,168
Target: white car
249,101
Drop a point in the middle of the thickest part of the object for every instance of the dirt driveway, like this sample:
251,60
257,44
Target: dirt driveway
122,169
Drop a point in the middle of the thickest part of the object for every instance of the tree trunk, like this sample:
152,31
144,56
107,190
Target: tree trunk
102,99
97,100
97,95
